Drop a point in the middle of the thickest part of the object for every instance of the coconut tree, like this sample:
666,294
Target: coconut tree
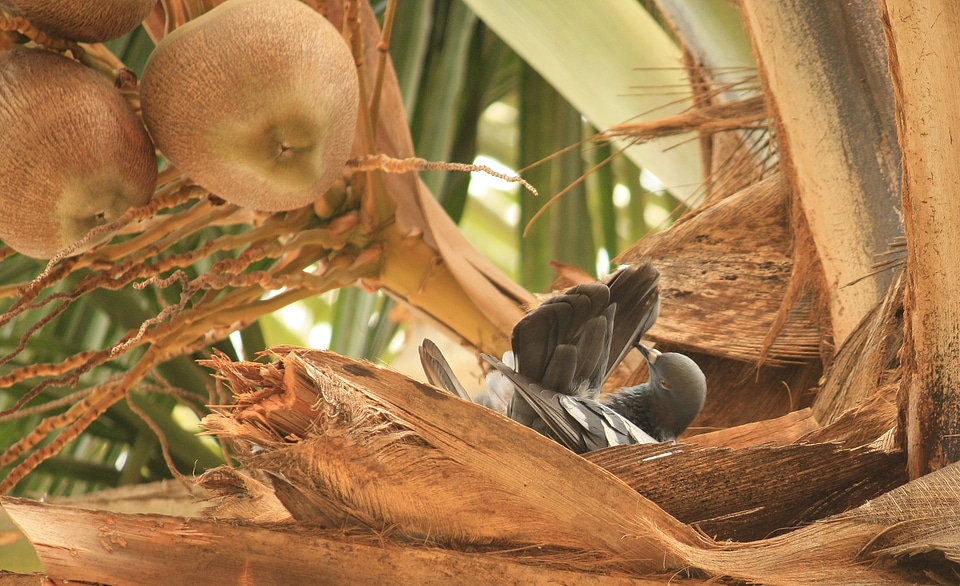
828,356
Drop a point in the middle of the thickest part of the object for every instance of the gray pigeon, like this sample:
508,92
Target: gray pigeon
566,348
573,341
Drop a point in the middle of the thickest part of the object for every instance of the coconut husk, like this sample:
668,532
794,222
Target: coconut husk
868,361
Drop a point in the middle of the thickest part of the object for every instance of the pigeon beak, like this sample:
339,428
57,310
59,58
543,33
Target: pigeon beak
651,354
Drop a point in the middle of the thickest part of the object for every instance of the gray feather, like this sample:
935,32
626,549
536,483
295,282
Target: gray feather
572,342
438,370
581,424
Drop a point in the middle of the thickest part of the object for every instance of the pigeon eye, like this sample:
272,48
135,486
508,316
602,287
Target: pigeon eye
664,384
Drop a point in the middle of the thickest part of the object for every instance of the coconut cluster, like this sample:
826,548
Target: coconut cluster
256,100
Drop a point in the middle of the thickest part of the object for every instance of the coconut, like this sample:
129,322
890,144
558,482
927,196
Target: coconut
90,21
73,155
256,101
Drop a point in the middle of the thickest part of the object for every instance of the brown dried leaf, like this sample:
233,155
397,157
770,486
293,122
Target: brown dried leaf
88,546
753,493
867,361
725,270
777,431
380,450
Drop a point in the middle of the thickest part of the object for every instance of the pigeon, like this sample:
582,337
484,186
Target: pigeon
573,341
581,424
565,349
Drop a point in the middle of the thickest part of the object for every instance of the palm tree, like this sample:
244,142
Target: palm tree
829,358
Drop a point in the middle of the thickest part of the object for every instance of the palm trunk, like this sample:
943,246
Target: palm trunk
827,88
924,41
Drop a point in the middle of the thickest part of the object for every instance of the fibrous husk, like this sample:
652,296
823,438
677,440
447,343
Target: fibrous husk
752,493
88,546
864,423
910,535
724,272
868,361
383,474
376,453
347,443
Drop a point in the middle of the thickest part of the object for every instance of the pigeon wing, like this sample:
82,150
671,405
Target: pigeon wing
580,424
545,404
636,292
438,370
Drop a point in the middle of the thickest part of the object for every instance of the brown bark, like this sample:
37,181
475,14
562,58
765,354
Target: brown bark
828,94
116,548
924,41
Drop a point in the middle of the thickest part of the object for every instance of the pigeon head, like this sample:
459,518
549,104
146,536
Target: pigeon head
679,385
